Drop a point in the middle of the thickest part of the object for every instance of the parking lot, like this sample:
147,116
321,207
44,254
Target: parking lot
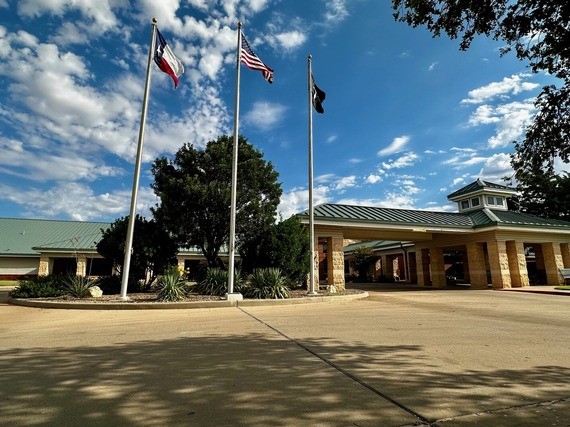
439,357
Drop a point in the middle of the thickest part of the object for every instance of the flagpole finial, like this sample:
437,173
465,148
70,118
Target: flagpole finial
239,24
154,21
309,57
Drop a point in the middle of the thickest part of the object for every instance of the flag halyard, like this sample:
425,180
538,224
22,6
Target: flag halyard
252,61
166,60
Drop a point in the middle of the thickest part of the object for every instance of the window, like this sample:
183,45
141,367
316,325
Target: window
490,200
475,201
499,201
465,204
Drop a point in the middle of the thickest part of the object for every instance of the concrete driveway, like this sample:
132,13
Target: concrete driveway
431,357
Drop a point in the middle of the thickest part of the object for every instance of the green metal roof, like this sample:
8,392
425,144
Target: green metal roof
479,185
389,216
416,218
28,236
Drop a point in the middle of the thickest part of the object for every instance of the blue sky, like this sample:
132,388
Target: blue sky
408,118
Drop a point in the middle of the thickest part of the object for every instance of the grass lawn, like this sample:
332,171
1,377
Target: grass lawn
563,288
8,282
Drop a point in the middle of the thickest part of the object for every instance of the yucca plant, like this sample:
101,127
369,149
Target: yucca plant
170,286
78,286
216,282
267,283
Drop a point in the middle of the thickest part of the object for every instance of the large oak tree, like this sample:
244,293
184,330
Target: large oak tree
195,188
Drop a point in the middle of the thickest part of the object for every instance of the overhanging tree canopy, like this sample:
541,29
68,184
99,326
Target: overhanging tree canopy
195,188
539,32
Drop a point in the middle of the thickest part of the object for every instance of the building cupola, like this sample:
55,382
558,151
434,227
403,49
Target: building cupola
480,195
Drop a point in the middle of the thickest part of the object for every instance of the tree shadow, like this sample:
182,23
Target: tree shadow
251,379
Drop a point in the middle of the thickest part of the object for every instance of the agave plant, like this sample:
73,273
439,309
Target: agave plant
216,282
78,286
170,286
267,283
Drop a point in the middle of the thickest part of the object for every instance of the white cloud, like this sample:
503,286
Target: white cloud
355,161
395,146
373,179
297,200
508,86
77,201
509,119
432,66
336,11
345,182
331,139
287,41
408,159
265,115
325,178
496,167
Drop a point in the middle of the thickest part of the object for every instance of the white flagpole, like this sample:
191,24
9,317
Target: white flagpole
231,295
312,290
132,214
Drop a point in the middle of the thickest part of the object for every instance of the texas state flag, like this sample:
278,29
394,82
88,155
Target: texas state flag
166,60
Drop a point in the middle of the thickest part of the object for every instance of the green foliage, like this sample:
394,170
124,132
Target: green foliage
216,282
153,250
195,188
40,287
362,259
284,245
111,285
78,286
170,286
267,283
537,31
543,194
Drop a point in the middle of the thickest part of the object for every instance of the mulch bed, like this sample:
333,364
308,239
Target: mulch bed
152,297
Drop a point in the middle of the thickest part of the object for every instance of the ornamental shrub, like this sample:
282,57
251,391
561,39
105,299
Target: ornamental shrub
267,283
216,282
77,286
170,286
40,287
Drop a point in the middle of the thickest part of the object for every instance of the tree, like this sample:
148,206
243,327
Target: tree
284,245
537,31
195,188
153,249
544,195
362,260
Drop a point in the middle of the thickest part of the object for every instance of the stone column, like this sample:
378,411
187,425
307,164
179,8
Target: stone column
477,267
43,269
81,268
499,263
565,249
384,261
517,264
552,263
377,267
437,267
422,267
335,258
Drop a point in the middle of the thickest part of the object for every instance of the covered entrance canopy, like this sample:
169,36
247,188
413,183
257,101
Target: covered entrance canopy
492,238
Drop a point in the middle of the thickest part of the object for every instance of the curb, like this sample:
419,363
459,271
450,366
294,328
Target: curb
181,305
553,292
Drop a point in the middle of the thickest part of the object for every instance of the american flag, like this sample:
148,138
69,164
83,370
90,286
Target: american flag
252,61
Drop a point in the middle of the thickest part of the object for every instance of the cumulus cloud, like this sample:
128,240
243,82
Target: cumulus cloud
496,167
508,86
345,182
509,120
396,146
297,200
265,115
373,179
336,11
